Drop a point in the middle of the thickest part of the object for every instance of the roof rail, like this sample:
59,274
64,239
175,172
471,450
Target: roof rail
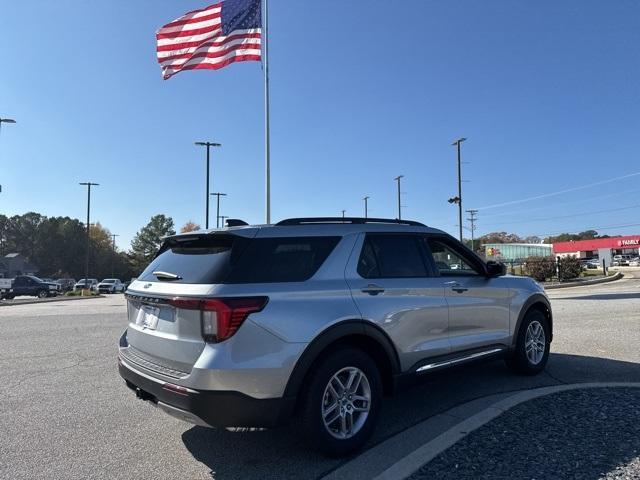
352,220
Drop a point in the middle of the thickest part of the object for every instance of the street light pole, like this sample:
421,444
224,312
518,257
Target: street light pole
343,212
86,269
113,256
218,194
397,179
459,202
208,145
5,120
366,207
223,218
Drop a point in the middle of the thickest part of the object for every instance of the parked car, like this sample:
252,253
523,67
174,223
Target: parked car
594,263
66,284
91,283
30,286
111,285
51,281
634,262
315,319
621,260
5,286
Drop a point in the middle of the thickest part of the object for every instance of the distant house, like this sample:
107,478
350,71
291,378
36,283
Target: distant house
15,264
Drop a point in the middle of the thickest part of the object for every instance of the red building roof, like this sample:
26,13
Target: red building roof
631,241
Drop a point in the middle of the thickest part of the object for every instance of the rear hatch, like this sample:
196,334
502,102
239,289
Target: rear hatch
161,336
198,286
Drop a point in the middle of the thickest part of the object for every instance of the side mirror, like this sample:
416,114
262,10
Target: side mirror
496,269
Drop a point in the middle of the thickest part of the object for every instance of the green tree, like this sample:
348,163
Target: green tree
148,240
499,237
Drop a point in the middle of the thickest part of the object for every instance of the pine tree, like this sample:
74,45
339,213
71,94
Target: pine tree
148,240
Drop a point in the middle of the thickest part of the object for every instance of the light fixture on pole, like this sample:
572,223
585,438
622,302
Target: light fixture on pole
459,197
218,194
366,207
6,120
208,145
86,266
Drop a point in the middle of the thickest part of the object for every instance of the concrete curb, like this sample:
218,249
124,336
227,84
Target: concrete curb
427,452
596,281
46,300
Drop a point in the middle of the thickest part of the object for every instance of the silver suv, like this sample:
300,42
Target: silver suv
315,319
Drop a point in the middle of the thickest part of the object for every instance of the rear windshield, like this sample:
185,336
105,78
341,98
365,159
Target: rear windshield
233,259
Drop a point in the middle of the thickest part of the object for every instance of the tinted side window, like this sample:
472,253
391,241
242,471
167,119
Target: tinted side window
449,261
391,256
283,259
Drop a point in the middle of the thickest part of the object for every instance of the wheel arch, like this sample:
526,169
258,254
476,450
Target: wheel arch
537,302
358,333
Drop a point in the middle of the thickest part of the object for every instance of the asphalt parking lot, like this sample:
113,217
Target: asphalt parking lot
67,414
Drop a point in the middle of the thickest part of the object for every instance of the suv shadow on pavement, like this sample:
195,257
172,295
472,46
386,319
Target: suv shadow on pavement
279,453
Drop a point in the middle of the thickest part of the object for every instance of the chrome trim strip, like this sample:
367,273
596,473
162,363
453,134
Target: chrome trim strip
453,361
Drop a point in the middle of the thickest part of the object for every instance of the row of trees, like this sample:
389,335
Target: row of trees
58,245
505,237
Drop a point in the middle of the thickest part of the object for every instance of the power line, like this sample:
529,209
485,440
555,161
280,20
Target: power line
559,204
567,216
560,192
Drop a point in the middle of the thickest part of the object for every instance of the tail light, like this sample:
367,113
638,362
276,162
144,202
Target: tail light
221,317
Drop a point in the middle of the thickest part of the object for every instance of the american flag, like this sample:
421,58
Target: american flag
211,38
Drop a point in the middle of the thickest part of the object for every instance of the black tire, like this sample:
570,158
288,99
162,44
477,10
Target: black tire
518,361
43,294
313,395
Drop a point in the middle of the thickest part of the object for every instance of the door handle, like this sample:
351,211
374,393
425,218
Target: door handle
372,289
456,287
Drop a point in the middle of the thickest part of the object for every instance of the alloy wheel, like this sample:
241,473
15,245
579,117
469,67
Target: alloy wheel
534,342
346,403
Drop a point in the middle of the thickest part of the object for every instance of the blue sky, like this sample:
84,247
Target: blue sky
547,93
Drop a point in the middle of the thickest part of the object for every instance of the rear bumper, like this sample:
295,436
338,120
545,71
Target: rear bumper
207,407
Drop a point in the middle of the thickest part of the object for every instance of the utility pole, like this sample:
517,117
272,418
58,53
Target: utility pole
86,266
223,218
218,194
459,202
397,179
113,236
343,212
472,219
208,145
366,207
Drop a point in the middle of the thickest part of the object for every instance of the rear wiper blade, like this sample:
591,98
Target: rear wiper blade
166,275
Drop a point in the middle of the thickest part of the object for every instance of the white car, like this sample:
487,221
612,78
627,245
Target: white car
635,262
91,284
111,285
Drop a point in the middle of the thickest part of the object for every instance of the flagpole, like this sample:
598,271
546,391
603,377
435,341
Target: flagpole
267,143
